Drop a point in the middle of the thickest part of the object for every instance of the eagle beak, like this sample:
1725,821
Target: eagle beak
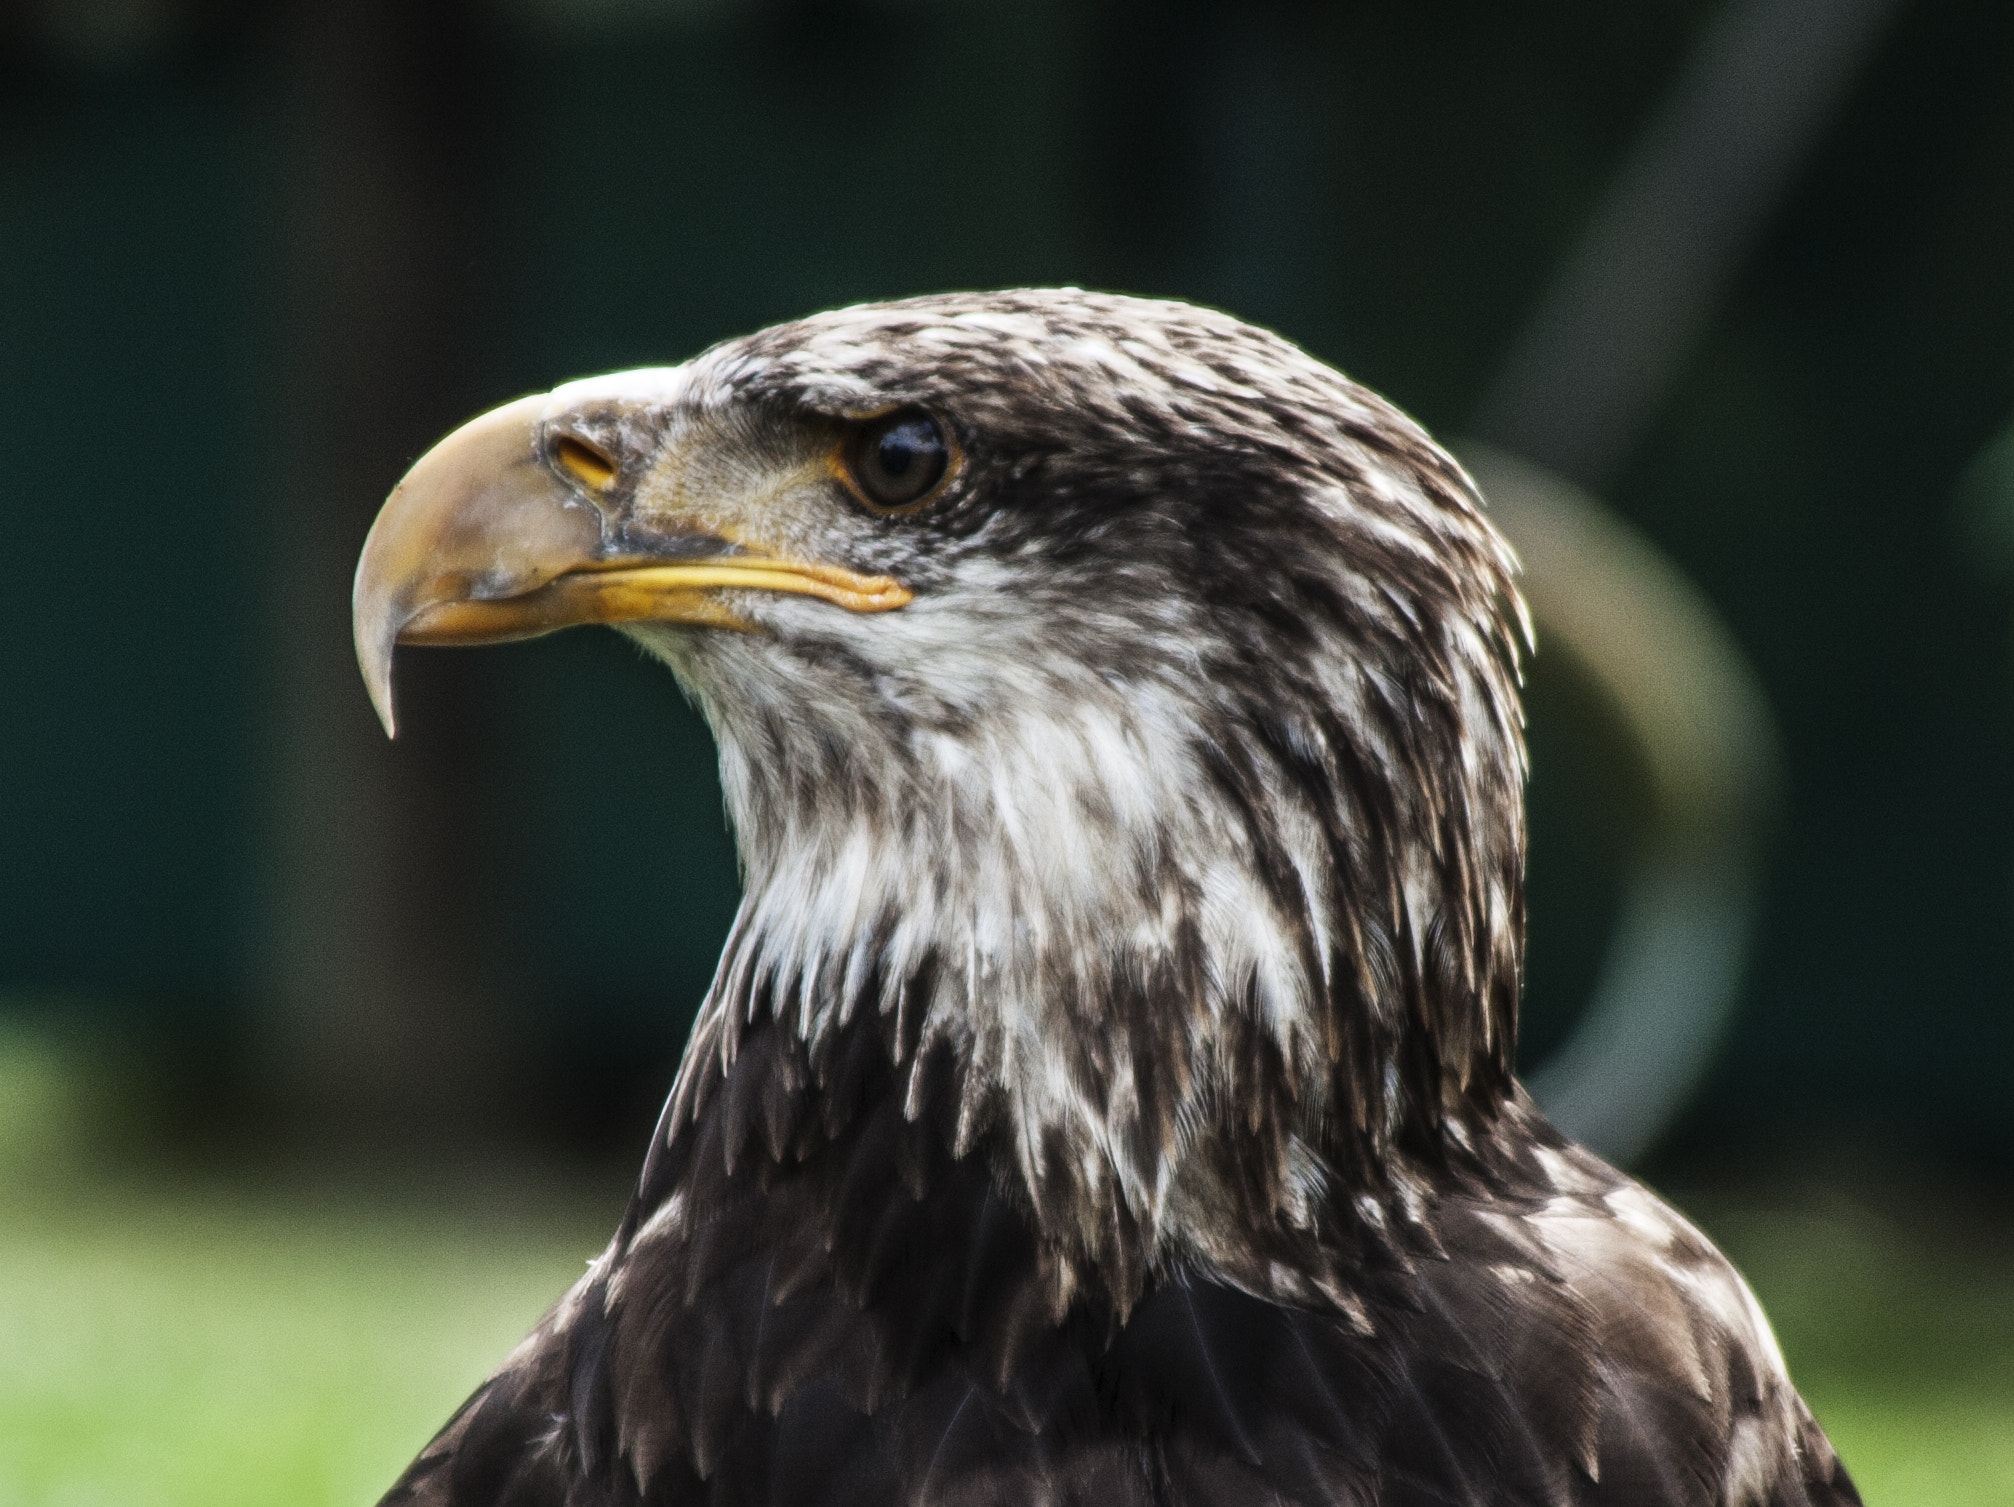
511,527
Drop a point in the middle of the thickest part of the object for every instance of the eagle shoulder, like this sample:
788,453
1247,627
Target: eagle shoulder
814,1301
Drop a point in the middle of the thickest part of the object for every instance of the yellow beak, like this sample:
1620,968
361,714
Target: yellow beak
485,540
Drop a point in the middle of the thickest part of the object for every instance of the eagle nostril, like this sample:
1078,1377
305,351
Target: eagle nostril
585,463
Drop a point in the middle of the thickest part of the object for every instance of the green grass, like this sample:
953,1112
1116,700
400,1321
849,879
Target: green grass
179,1347
177,1342
1896,1313
288,1336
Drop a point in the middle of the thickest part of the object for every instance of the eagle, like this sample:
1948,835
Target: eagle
1106,1092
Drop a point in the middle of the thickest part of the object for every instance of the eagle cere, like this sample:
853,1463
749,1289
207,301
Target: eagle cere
1105,1094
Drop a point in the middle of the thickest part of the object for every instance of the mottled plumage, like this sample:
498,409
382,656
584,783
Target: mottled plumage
1105,1094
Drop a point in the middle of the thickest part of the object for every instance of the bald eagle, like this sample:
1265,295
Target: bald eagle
1105,1095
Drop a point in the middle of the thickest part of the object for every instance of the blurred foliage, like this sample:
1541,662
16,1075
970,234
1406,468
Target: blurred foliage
1589,798
1893,1299
206,1348
285,1332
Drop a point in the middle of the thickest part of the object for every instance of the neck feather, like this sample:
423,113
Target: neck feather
1187,975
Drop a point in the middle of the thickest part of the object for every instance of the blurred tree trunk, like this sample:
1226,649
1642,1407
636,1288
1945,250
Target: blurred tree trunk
384,989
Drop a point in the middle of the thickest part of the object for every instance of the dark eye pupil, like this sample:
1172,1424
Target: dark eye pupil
901,458
902,448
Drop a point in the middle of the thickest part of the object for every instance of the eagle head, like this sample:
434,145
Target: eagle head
1117,708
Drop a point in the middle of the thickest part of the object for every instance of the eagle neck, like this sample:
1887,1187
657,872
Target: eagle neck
1122,929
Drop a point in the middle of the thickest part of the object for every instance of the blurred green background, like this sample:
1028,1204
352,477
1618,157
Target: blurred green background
323,1061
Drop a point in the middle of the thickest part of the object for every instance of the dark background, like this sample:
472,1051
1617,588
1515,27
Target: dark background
254,258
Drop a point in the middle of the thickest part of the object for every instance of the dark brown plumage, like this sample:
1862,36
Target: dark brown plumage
1105,1094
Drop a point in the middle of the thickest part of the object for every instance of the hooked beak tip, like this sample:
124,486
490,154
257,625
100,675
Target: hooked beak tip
376,664
377,633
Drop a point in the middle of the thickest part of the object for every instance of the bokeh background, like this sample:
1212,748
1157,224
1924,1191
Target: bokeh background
324,1061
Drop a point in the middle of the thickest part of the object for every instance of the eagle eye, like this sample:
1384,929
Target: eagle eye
585,463
897,460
